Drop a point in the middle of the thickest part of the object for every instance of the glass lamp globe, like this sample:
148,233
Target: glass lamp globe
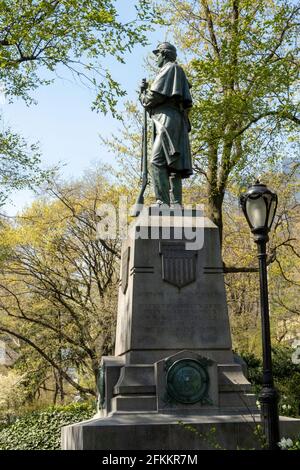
259,206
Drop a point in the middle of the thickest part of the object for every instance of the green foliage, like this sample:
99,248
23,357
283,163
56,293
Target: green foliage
289,389
289,444
19,164
58,286
286,378
244,70
295,445
41,35
41,430
38,37
242,58
12,394
209,437
254,368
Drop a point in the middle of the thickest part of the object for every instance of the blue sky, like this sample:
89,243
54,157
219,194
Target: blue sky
63,122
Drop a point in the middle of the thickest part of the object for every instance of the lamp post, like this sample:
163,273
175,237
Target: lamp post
259,206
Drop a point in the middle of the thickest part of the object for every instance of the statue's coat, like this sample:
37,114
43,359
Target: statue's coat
168,101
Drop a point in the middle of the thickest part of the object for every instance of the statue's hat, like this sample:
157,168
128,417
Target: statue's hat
165,46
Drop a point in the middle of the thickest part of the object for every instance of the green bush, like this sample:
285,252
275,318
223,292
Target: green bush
41,430
286,378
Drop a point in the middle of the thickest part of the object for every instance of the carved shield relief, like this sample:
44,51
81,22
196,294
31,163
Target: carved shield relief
178,264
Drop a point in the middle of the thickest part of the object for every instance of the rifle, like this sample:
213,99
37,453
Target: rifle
144,161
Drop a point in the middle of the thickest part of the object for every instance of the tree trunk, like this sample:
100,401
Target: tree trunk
215,212
61,387
96,365
56,388
215,197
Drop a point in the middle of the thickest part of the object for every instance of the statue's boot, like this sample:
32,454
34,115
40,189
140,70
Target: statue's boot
175,189
160,177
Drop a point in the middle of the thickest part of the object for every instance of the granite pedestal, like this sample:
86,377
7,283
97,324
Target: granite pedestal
173,360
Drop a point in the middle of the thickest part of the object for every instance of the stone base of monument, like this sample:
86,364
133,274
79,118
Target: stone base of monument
173,366
159,431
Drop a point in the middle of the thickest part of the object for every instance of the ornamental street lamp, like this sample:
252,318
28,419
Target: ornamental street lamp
259,206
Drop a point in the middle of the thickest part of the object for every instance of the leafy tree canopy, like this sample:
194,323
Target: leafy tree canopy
19,164
38,39
38,35
242,57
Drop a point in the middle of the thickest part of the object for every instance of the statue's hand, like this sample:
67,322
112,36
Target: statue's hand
143,98
144,85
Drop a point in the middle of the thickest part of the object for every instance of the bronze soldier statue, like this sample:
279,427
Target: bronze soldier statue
168,101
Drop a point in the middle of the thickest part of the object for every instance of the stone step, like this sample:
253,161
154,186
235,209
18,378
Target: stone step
134,403
246,401
136,379
232,379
